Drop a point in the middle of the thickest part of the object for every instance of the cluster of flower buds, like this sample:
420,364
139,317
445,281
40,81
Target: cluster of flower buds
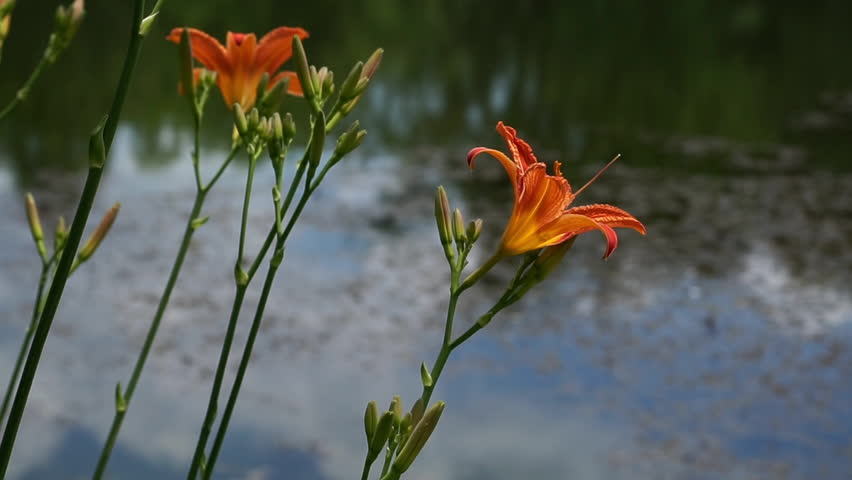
61,235
65,25
258,132
405,435
357,80
452,229
6,7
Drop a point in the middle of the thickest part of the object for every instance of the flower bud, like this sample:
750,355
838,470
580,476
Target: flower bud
380,437
317,141
349,140
327,83
417,411
425,376
240,120
458,228
371,421
99,234
372,64
289,128
474,228
32,217
347,88
396,409
419,436
302,70
61,234
442,216
253,120
549,258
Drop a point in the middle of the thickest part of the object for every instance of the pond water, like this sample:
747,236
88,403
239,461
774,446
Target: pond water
718,346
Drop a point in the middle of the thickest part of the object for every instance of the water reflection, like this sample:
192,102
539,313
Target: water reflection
716,347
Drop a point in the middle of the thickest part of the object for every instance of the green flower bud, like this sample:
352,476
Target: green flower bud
349,140
32,217
302,70
61,234
425,376
417,411
253,120
419,436
442,217
317,141
458,228
289,127
371,421
240,120
347,88
380,437
396,409
474,228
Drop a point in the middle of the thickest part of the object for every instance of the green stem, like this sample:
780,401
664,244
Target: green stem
212,404
389,452
365,473
84,207
258,318
24,91
25,345
241,371
118,419
481,271
246,202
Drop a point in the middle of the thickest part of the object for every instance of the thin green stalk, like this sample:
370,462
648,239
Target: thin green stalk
389,453
25,345
57,287
118,419
365,473
22,93
255,328
242,282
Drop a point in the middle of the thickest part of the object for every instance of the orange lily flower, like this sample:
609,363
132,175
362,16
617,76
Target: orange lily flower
241,65
541,216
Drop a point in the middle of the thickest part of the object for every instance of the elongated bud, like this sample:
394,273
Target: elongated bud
458,228
347,88
317,141
32,217
187,77
327,84
302,69
253,120
99,234
261,87
425,376
289,127
372,63
380,438
417,411
396,409
442,217
60,235
419,436
474,228
349,140
240,120
371,421
277,127
97,149
549,258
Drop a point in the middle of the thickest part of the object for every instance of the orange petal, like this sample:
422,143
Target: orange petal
241,49
570,224
609,215
205,49
509,165
541,201
521,151
276,47
293,88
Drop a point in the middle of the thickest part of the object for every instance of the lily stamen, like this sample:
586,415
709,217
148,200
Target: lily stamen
617,156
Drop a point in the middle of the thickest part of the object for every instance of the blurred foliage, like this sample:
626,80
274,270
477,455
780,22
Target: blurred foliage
575,76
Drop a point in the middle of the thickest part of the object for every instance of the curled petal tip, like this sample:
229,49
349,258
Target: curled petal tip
611,240
473,153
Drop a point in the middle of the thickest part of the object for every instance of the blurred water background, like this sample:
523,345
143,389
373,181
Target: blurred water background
716,347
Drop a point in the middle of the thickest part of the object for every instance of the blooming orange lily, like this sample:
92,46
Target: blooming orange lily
241,64
541,216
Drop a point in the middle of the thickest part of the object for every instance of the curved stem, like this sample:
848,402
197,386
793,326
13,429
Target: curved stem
246,202
25,345
24,91
118,419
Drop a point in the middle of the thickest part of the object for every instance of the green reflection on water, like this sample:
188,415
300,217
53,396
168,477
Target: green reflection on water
584,78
